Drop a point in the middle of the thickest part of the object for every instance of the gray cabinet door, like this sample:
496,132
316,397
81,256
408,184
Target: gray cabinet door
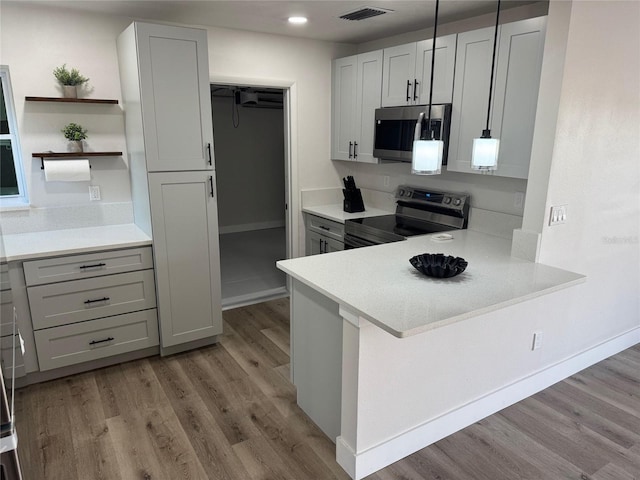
175,97
185,234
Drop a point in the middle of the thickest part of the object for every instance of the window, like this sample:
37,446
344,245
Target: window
13,191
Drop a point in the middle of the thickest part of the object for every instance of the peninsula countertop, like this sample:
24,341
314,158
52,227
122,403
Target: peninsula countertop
25,246
379,284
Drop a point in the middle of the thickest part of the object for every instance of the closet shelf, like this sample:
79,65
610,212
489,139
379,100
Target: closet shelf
71,100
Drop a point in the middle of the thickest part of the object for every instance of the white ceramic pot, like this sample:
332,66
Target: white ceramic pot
70,91
75,145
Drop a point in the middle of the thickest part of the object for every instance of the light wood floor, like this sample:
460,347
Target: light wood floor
229,412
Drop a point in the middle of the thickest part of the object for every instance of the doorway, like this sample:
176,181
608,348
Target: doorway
249,146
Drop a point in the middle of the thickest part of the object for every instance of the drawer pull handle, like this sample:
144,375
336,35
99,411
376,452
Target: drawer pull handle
95,265
103,299
95,342
323,227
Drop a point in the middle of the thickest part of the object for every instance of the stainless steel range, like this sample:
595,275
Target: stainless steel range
418,211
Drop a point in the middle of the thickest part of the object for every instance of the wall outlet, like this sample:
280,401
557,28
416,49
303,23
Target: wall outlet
537,341
385,181
94,192
558,215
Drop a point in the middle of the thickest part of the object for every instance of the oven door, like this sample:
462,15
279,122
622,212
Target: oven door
351,242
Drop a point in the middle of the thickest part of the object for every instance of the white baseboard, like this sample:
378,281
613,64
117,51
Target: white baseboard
375,458
247,227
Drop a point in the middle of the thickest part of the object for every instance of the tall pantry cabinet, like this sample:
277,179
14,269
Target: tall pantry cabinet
164,76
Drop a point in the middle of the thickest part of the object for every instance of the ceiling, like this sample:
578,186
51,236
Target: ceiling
270,16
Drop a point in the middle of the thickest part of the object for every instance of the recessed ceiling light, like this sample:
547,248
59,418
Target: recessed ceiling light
298,20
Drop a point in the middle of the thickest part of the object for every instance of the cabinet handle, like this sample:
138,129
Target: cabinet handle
415,88
209,150
95,342
321,249
408,86
211,184
103,299
95,265
355,149
323,227
350,145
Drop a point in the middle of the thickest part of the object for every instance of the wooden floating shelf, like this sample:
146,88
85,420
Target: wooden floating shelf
71,100
75,154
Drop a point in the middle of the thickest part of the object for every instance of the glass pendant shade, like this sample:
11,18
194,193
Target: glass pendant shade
484,155
427,157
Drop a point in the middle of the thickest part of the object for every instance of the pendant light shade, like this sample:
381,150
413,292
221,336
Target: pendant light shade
426,158
484,155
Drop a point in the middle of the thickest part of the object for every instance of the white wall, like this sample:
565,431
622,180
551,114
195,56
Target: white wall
595,170
250,165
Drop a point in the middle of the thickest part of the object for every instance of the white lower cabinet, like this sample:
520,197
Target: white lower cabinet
97,314
185,222
84,341
323,235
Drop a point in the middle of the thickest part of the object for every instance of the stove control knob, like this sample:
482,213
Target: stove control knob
447,200
400,192
457,202
407,193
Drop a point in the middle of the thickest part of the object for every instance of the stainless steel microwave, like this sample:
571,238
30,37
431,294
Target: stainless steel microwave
395,127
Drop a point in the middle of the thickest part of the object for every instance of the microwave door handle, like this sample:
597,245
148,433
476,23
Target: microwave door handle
417,133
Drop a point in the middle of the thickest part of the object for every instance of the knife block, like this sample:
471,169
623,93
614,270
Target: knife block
353,201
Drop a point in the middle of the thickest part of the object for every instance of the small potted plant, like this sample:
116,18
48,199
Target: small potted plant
75,134
70,80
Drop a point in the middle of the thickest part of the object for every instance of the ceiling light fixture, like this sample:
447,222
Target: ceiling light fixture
298,20
484,156
426,158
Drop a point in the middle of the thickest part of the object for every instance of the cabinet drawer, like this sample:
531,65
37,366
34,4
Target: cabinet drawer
4,277
7,356
326,227
81,342
6,312
74,267
68,302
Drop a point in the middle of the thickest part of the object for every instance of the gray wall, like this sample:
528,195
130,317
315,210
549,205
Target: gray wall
250,166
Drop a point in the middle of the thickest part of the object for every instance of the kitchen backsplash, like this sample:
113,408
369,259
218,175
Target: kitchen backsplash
61,218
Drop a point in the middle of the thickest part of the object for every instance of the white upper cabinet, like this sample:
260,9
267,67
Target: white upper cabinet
406,72
516,84
176,103
356,95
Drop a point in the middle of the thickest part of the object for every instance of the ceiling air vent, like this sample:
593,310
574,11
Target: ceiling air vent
364,13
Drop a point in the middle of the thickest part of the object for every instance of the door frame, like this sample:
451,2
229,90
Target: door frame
290,109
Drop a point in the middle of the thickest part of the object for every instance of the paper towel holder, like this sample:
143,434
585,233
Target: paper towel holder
62,155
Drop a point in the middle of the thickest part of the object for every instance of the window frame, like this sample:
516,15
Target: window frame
22,198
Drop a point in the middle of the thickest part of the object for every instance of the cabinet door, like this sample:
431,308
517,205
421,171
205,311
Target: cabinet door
331,245
187,259
345,71
518,70
398,68
314,243
368,91
175,97
470,95
444,67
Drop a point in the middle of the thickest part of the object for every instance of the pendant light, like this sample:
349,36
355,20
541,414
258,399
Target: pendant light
484,156
426,158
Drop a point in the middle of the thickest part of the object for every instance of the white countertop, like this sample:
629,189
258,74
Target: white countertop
379,284
337,214
24,246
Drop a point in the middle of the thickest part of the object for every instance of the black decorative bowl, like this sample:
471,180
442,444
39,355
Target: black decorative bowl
438,264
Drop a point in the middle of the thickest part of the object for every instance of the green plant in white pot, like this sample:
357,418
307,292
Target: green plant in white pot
75,134
70,80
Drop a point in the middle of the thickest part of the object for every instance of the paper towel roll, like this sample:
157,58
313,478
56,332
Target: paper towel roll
76,170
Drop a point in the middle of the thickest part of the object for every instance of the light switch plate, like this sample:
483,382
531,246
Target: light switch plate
558,215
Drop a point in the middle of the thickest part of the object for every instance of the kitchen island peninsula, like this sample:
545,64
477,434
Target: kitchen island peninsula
387,361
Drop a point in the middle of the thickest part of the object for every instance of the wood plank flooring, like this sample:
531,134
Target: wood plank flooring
229,412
